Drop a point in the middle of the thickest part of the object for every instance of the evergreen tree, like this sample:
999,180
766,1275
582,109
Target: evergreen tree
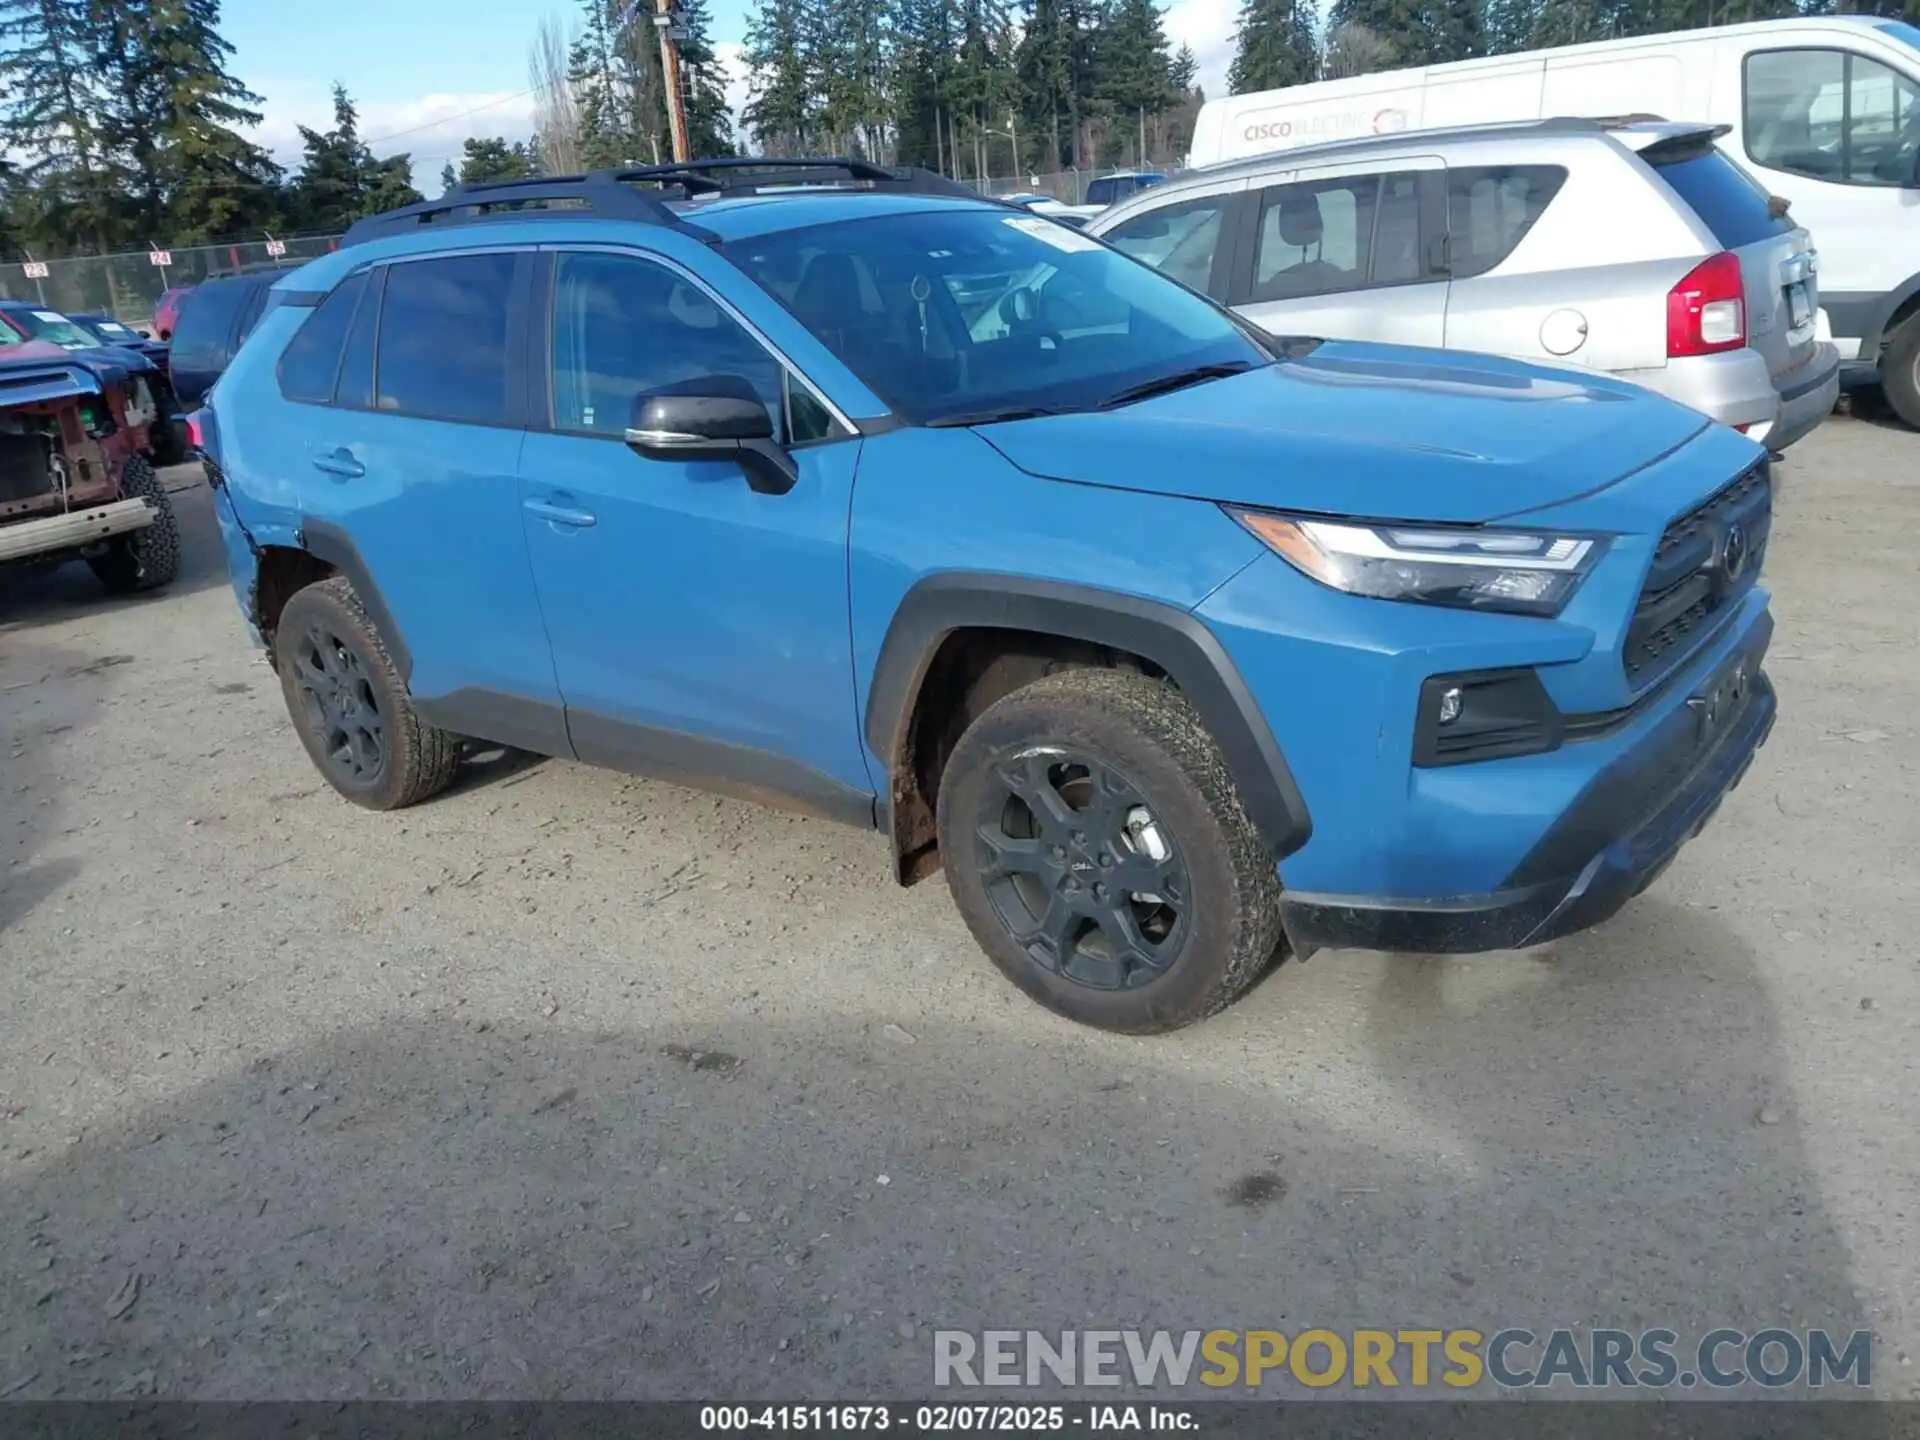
925,42
703,84
616,78
783,107
339,180
1276,46
171,114
52,99
493,158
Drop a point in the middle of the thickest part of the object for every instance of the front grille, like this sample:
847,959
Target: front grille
1706,559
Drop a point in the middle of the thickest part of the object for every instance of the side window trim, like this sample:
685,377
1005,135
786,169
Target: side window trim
371,294
541,411
1847,57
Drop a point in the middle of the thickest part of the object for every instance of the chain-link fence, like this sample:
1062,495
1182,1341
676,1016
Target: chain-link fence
126,286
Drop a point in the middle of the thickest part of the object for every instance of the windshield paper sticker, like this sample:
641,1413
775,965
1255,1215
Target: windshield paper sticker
1061,237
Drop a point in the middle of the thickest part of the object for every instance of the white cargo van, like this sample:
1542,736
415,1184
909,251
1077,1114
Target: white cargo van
1824,112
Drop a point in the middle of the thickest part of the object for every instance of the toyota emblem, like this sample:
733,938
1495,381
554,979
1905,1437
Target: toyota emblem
1733,553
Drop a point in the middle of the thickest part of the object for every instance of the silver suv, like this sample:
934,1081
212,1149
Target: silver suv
1632,247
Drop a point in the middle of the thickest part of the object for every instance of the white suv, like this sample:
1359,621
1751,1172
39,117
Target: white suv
1632,247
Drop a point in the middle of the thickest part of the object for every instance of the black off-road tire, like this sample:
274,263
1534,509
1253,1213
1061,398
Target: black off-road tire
147,558
1153,741
416,761
1900,372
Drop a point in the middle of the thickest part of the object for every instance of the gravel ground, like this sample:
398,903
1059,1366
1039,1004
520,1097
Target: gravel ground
579,1086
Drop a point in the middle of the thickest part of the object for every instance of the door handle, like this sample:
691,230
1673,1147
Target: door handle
560,514
340,462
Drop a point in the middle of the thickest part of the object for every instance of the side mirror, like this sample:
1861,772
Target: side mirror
146,334
713,427
1018,308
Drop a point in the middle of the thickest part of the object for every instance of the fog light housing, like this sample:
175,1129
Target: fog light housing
1485,715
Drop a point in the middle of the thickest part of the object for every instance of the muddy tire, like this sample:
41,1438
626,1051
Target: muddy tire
142,559
350,706
1096,848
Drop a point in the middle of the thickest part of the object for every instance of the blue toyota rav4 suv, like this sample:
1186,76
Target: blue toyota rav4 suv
818,483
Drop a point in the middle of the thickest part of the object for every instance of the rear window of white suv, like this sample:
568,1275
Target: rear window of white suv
1733,207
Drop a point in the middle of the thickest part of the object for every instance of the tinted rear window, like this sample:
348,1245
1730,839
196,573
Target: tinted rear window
1735,209
205,322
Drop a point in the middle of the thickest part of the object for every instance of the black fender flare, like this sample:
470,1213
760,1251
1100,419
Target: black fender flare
328,542
1172,638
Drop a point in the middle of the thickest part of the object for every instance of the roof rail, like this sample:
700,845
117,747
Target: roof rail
748,174
594,196
621,194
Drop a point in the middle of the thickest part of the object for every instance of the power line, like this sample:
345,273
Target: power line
444,119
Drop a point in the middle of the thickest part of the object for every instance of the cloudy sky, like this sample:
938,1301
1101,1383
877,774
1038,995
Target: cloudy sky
428,73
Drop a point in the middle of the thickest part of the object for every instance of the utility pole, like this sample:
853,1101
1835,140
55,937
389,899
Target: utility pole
664,21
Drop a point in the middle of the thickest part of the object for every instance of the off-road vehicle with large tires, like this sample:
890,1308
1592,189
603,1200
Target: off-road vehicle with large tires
74,480
1178,647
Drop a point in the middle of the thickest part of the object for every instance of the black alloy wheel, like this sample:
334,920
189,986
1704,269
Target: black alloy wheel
337,695
1077,867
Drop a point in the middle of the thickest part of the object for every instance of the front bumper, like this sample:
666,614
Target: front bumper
73,529
1609,846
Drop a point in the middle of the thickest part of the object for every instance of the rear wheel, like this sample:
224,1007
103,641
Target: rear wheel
1096,848
350,705
1900,371
147,558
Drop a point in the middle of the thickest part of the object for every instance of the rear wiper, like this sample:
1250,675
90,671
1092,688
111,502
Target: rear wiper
993,417
1178,380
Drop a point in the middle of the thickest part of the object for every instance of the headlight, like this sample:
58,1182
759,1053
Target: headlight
1526,572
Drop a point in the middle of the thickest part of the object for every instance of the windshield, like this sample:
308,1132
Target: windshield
55,328
963,313
114,333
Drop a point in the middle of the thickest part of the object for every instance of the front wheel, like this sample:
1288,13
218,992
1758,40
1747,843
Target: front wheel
1096,848
147,558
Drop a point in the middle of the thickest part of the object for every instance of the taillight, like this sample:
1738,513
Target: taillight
196,436
1707,310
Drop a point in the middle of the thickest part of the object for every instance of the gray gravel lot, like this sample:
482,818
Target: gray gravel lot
574,1085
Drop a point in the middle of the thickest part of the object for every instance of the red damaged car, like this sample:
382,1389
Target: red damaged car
74,484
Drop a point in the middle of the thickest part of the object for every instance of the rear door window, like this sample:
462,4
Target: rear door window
312,358
1736,210
443,339
1490,208
1322,237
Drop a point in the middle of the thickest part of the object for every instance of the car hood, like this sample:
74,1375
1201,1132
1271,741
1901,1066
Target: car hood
1368,431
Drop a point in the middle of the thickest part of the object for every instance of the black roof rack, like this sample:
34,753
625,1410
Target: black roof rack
625,194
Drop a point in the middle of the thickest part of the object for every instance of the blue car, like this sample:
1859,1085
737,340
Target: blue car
1177,647
105,330
150,388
